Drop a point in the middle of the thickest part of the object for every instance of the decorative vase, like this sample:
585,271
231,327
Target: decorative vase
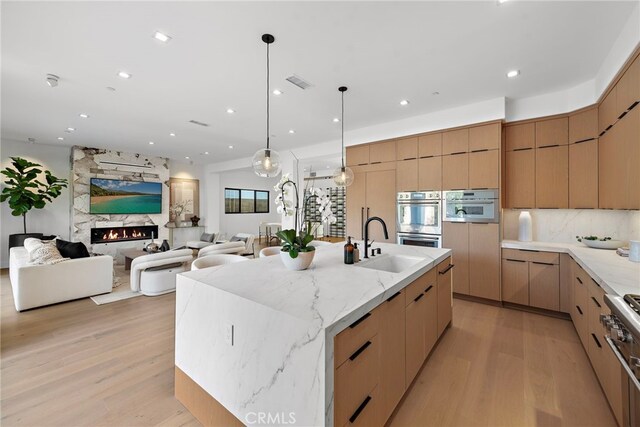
164,246
525,228
301,262
634,250
176,223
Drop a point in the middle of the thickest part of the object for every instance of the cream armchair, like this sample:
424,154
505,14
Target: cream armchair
155,274
233,248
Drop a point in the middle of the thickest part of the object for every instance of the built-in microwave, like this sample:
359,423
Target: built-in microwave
471,206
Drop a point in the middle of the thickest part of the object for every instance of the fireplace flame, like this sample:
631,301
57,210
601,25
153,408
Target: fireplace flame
115,235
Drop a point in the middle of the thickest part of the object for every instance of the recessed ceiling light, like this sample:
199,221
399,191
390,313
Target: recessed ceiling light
404,102
83,115
60,138
151,142
161,37
513,73
336,120
277,92
231,147
328,167
187,157
206,152
124,75
502,1
172,134
230,110
292,131
70,129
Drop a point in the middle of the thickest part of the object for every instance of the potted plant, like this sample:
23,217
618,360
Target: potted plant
24,191
296,253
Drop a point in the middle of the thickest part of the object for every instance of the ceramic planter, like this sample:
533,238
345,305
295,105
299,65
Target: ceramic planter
301,262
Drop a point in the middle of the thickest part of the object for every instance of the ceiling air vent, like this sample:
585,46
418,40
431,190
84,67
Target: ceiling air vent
312,174
298,81
195,122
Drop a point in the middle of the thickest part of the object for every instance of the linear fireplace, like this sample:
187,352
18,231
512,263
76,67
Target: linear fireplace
123,234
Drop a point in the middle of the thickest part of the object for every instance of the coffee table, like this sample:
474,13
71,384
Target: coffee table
130,255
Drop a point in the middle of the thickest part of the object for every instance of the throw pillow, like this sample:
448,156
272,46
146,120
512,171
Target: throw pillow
207,237
72,250
43,252
238,239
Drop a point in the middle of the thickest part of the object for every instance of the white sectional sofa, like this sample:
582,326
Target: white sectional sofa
38,285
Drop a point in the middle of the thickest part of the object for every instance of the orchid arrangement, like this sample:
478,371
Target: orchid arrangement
178,208
297,240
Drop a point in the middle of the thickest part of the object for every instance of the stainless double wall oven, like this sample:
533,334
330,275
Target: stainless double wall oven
419,218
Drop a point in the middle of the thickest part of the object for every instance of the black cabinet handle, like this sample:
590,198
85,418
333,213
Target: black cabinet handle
479,151
528,250
584,140
596,301
549,146
428,289
416,299
579,309
359,351
522,149
360,320
360,409
515,260
579,280
362,222
392,297
449,267
458,152
596,340
542,263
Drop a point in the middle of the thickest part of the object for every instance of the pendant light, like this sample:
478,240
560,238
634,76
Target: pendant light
343,176
266,162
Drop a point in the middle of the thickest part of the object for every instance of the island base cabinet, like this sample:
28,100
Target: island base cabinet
368,412
416,316
431,297
445,301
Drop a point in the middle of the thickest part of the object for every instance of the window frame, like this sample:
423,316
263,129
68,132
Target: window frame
239,199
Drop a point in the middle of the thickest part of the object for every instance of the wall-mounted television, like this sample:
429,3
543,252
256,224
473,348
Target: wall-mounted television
114,196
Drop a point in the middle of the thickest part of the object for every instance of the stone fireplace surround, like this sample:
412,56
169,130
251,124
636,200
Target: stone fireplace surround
90,163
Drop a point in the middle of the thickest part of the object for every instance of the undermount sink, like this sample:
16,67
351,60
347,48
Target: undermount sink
390,263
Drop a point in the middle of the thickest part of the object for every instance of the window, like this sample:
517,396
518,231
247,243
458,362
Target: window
238,200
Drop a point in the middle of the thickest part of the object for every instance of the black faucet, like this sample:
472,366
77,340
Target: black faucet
366,233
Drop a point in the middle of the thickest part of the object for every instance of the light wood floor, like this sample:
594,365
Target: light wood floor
79,364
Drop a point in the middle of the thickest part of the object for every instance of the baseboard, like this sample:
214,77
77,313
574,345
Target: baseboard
201,404
551,313
478,299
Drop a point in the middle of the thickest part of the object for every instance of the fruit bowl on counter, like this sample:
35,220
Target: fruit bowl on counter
600,242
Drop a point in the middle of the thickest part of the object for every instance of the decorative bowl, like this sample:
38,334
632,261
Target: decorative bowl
606,244
301,262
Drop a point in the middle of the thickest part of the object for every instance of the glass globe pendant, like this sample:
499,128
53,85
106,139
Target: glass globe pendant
266,162
343,176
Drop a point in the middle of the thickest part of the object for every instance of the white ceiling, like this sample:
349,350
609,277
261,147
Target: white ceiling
384,52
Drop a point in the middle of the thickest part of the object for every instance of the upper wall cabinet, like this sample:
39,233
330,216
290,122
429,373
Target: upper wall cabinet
358,155
407,148
455,141
430,145
552,132
382,152
628,92
487,137
607,115
583,125
520,137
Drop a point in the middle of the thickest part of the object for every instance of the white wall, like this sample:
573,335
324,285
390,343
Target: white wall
55,217
243,223
186,170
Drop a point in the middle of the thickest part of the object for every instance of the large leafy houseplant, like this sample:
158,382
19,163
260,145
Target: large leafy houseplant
24,191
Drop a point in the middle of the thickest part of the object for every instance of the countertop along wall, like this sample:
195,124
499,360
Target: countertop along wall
54,218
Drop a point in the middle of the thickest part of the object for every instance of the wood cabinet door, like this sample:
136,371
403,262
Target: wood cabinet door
629,154
583,175
515,281
519,137
407,175
455,141
430,174
357,155
580,305
552,132
415,321
431,302
566,285
628,91
486,137
407,148
484,261
455,172
615,377
484,169
356,205
445,276
612,170
607,111
381,152
596,340
381,201
544,285
430,145
455,236
392,352
552,177
583,125
520,178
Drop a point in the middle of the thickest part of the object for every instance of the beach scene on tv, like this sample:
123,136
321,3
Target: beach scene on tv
112,196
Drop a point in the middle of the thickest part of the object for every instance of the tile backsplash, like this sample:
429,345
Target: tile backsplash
563,225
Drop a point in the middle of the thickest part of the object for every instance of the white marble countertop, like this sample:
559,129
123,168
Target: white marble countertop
615,274
281,357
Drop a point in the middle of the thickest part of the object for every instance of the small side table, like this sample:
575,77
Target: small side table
130,255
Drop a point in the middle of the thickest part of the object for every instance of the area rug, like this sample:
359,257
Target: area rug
121,289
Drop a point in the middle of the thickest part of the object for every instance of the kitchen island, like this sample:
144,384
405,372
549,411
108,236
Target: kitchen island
255,342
